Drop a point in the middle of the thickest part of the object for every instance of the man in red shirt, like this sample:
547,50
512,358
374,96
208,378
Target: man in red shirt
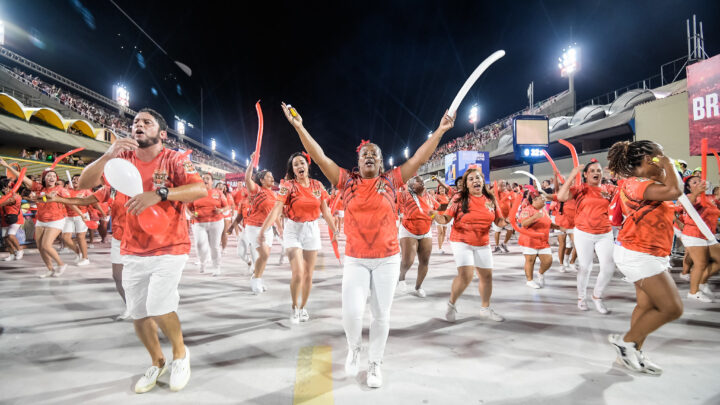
153,263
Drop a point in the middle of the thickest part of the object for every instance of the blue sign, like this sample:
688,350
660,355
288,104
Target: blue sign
456,164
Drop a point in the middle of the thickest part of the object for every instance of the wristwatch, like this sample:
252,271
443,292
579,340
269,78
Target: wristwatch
162,192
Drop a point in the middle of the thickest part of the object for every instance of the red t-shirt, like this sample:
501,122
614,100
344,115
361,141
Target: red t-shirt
591,214
565,217
167,169
506,199
370,213
49,211
338,203
231,203
472,227
13,209
541,225
415,219
261,203
204,208
77,194
117,208
648,224
709,213
302,204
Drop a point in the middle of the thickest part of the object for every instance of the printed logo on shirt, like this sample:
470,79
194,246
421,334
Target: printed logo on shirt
316,194
283,190
189,167
160,177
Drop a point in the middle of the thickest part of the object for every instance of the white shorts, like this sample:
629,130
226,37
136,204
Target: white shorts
115,256
531,251
499,229
468,255
340,214
638,265
404,233
151,284
303,235
251,233
75,225
691,241
59,224
10,230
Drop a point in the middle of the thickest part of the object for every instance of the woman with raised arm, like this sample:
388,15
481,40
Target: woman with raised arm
262,200
372,253
443,196
304,199
473,211
644,243
50,218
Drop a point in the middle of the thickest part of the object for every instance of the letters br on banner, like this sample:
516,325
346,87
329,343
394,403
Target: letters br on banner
703,84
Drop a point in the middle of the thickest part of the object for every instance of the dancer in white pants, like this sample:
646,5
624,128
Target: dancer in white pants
372,261
209,213
302,199
593,231
262,201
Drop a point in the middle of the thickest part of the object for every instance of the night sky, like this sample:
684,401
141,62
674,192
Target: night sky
355,70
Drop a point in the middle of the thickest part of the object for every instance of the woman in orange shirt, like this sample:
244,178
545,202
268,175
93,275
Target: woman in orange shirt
12,220
303,199
534,217
644,243
593,231
262,200
703,254
443,196
208,225
372,254
472,211
229,213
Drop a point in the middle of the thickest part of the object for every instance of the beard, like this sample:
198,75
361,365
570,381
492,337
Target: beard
146,143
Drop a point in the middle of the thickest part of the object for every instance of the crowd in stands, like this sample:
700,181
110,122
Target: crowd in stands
88,110
40,155
473,140
199,156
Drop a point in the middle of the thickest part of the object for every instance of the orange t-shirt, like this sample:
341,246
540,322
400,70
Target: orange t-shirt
415,219
117,208
204,208
261,203
338,203
541,225
591,213
77,194
442,199
648,224
565,213
302,204
370,213
13,209
472,227
231,203
506,202
49,211
709,214
167,169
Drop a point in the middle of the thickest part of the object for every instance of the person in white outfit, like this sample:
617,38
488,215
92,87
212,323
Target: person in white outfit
209,213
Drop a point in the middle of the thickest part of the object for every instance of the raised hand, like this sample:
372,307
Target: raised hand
292,115
447,122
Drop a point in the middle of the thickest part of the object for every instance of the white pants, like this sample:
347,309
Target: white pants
207,239
360,276
302,235
115,256
251,234
585,245
10,230
151,283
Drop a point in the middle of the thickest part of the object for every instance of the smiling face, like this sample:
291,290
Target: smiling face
300,167
75,181
475,182
50,179
268,180
593,174
207,179
370,161
146,130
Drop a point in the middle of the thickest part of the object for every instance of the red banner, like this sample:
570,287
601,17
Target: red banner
703,84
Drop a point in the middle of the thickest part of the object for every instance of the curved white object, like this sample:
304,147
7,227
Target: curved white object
472,79
692,212
124,177
537,182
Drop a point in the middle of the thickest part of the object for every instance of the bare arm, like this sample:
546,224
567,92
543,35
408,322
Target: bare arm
91,176
531,219
249,183
26,180
564,193
329,168
185,193
272,216
409,168
87,200
327,215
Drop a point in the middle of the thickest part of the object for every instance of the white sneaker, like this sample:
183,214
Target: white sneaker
217,272
10,258
202,268
700,296
488,313
706,290
77,259
374,375
63,250
451,312
180,372
574,267
148,381
599,306
442,252
295,316
304,317
60,270
685,277
19,254
533,284
564,268
125,315
91,246
628,355
402,286
649,367
540,280
255,285
262,284
582,305
48,273
83,262
351,362
420,293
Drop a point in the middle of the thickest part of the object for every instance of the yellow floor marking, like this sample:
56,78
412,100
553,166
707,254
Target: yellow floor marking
313,378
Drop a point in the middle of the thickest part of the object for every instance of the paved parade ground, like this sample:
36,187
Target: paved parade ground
59,342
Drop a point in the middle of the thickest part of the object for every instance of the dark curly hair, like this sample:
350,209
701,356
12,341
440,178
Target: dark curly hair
624,157
686,188
290,173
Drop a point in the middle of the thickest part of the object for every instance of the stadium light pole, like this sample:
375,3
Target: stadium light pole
406,152
390,161
569,64
233,154
212,144
474,116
